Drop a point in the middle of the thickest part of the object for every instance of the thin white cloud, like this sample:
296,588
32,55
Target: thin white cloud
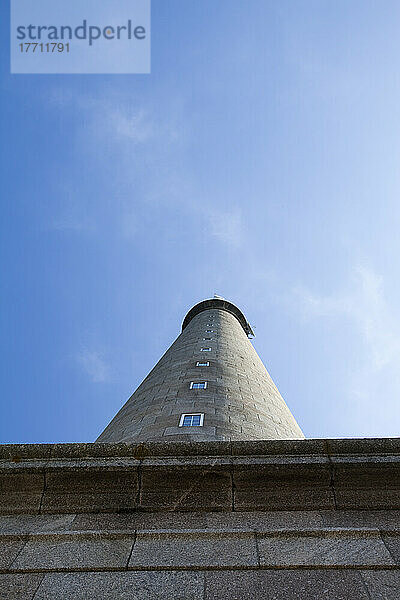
137,126
115,117
94,365
144,145
227,226
365,303
377,378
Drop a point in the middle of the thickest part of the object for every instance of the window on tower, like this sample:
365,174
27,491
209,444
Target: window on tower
205,349
198,385
202,364
191,420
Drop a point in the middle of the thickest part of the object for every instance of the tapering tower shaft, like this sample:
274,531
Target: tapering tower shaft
209,385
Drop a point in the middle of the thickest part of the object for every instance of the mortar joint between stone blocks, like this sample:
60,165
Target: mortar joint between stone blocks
130,553
139,479
387,547
257,549
38,586
233,488
43,492
332,473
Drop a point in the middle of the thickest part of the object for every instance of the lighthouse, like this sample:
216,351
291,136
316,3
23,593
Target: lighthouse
210,385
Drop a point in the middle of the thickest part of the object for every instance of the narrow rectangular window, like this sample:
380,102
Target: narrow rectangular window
191,420
198,385
205,349
202,364
208,339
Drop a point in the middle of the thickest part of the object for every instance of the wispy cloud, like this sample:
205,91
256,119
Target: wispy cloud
94,365
137,125
366,306
117,117
227,226
365,303
140,152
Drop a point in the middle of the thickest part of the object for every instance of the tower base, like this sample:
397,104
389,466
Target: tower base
276,519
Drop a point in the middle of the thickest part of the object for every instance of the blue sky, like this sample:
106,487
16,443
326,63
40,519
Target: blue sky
260,161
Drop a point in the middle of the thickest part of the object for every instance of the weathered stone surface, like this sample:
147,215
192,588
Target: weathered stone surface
233,585
279,448
382,585
82,489
262,521
194,549
201,476
323,548
366,473
368,446
20,492
180,448
24,524
17,452
203,432
392,543
150,585
367,482
284,585
312,585
107,522
19,586
9,550
82,452
180,485
270,521
282,483
74,552
388,520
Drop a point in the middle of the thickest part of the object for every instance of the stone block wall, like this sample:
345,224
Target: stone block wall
283,520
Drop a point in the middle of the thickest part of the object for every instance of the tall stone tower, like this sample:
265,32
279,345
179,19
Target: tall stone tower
209,385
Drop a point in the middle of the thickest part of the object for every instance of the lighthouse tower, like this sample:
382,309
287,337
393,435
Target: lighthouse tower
209,385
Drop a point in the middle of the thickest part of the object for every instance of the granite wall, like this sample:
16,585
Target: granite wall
278,520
